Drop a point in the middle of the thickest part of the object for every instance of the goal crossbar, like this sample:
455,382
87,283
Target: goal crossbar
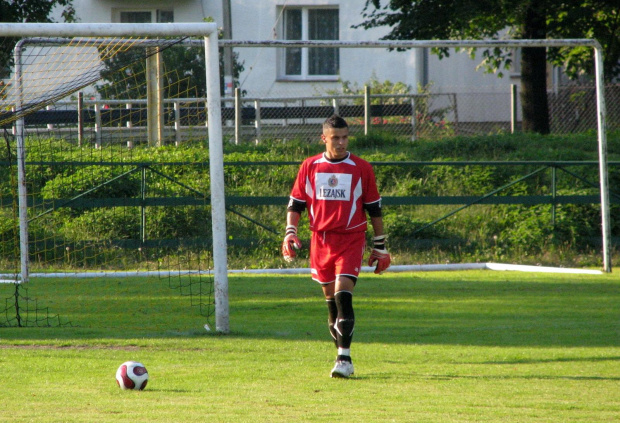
107,29
509,43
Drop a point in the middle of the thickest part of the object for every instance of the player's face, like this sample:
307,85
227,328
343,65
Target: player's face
336,142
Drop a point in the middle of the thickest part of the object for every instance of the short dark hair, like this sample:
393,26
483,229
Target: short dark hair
335,121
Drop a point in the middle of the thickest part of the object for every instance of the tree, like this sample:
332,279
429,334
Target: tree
27,11
492,19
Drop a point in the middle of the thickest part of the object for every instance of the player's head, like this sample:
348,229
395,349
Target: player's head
336,137
335,121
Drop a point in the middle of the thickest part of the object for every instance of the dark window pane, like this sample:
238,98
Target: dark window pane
323,61
292,24
293,61
323,25
165,16
136,17
292,31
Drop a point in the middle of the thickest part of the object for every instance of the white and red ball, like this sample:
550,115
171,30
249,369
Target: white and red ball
132,375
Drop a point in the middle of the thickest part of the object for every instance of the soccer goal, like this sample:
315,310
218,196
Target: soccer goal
412,114
94,119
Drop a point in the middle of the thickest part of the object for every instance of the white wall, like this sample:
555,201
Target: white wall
184,10
261,19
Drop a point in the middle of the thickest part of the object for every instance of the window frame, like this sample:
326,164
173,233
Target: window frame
305,65
155,13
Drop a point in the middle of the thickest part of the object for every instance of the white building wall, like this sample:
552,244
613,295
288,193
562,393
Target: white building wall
261,20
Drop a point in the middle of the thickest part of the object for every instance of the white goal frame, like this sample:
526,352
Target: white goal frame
209,32
577,42
216,156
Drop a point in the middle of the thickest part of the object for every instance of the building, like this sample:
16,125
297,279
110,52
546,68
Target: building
297,72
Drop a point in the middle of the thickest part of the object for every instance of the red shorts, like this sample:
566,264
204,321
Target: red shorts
334,254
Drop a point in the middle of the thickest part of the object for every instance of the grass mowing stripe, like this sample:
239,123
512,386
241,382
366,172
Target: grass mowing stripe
429,347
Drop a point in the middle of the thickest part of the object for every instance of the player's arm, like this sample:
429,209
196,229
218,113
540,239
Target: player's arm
291,241
379,253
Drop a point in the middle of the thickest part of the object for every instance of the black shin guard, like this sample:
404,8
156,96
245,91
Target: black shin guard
345,322
331,318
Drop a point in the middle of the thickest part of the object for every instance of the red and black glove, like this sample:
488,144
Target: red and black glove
379,254
290,244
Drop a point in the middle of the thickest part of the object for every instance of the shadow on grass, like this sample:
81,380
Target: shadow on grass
449,308
516,377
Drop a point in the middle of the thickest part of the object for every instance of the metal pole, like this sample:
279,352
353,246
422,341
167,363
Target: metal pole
554,192
238,106
413,118
216,171
228,52
177,123
257,122
22,191
336,106
602,156
513,108
367,115
98,128
80,111
142,206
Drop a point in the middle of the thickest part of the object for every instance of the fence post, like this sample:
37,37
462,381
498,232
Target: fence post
413,118
456,115
142,206
367,115
553,195
98,125
238,106
336,106
129,124
14,126
513,108
49,125
257,121
177,123
80,112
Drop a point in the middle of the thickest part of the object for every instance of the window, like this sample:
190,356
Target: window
143,16
316,62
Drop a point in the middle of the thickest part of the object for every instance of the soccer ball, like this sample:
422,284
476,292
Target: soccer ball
132,375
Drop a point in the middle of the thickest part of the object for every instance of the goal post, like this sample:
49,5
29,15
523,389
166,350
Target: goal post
118,30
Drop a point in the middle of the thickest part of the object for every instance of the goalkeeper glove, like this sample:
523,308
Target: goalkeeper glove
290,244
379,254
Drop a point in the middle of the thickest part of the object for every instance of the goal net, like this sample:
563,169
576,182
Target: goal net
112,145
97,181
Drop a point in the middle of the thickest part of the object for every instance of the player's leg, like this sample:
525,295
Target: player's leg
332,315
322,269
348,266
344,326
335,311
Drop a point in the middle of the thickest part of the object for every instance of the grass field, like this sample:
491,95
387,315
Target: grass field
474,346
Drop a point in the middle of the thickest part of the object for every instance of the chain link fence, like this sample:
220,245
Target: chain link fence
572,109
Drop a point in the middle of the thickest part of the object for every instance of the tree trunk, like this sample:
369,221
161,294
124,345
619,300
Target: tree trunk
534,74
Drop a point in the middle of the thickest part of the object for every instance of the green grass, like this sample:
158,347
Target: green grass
477,346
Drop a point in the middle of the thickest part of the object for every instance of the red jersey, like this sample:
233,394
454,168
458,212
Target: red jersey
335,192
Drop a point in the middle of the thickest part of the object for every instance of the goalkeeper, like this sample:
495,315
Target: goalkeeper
338,189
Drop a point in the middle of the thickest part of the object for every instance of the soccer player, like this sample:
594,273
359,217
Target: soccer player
338,189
